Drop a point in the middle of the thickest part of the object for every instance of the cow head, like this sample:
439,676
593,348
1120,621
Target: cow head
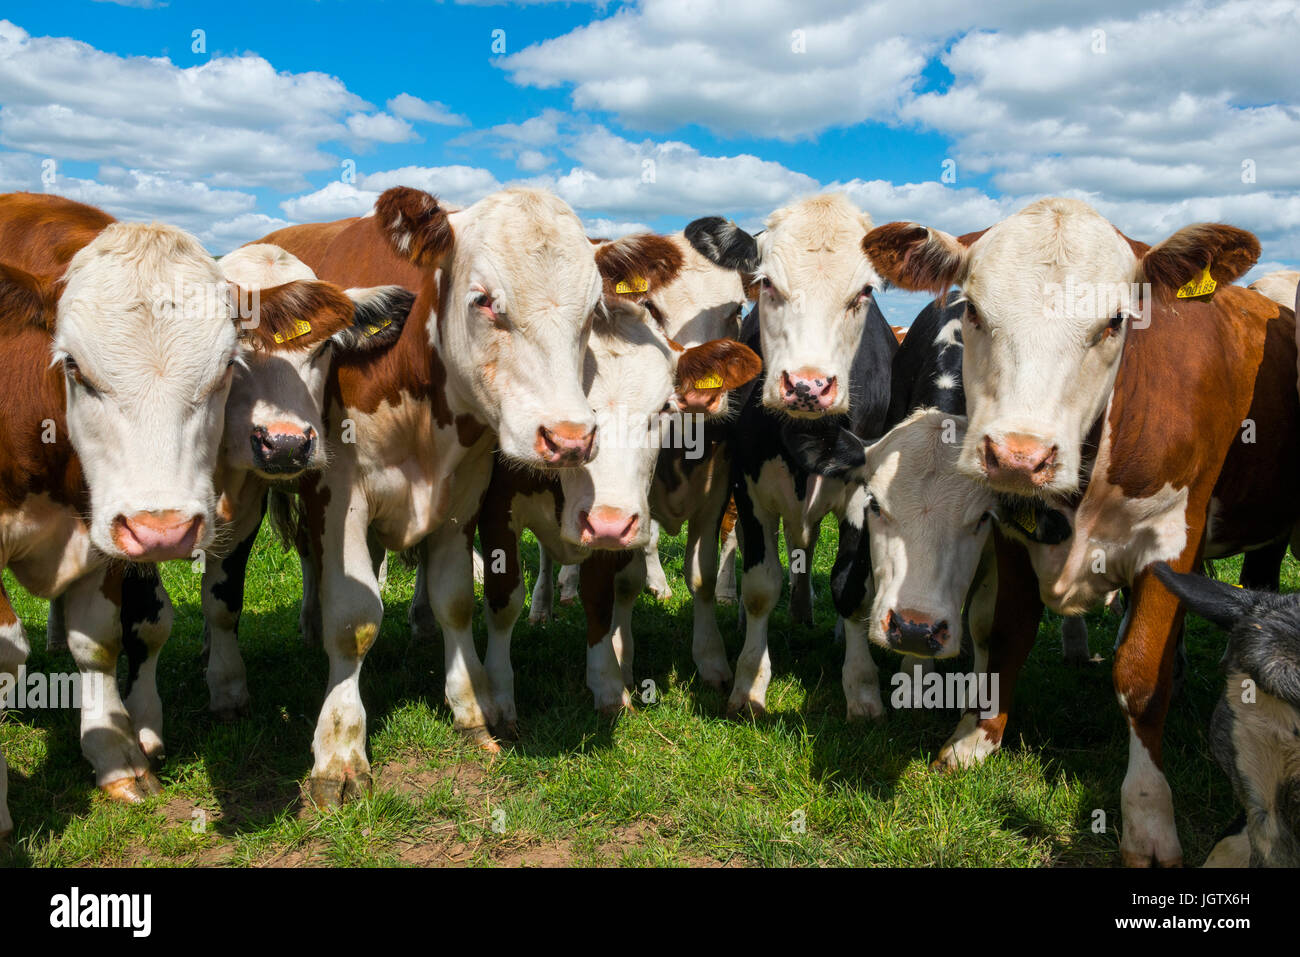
702,303
515,284
1050,295
927,526
647,393
273,415
814,286
146,339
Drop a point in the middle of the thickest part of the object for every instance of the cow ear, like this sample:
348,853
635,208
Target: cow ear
724,243
916,258
635,266
292,316
416,227
1213,600
705,372
842,455
1227,251
377,320
26,300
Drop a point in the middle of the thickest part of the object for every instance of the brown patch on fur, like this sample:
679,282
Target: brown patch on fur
900,332
1227,250
654,258
40,233
596,588
415,226
734,362
27,300
970,239
469,429
310,241
911,257
281,309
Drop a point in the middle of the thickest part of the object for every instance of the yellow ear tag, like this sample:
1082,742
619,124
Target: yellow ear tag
1202,285
372,329
713,381
635,284
301,328
1026,518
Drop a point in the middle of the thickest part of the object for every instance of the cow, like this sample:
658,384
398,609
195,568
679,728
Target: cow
651,396
120,344
826,350
490,359
1116,382
273,425
691,487
1255,731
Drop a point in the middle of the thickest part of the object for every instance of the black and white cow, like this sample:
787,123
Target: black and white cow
826,351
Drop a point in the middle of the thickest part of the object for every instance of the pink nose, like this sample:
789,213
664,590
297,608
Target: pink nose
156,536
564,445
807,390
609,528
1018,462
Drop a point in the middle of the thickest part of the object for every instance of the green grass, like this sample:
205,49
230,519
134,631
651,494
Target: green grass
674,784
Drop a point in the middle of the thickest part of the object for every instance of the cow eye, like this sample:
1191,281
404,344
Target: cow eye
73,372
863,295
973,316
873,505
980,524
1112,328
655,313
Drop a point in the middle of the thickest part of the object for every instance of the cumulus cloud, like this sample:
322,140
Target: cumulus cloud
424,111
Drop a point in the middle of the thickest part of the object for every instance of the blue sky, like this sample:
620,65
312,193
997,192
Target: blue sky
647,113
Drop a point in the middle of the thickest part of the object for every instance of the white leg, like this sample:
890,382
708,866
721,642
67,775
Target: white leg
726,590
13,653
501,620
1147,808
108,737
760,588
656,580
701,573
569,576
146,617
542,606
451,593
602,594
968,745
861,680
223,604
350,620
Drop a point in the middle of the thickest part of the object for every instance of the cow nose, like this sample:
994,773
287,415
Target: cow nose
605,527
913,633
280,448
807,390
564,445
1019,461
157,536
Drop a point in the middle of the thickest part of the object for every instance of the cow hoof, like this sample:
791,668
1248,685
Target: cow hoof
539,617
865,711
481,738
232,714
133,790
745,710
1138,859
659,592
568,599
506,731
325,792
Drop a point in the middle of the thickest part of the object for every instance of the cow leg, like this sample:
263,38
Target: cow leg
350,620
542,605
726,590
656,580
860,678
223,604
1262,568
629,582
420,617
503,600
1144,665
569,579
13,653
309,561
1074,641
147,617
108,738
1004,613
56,629
760,588
468,690
802,546
605,655
701,572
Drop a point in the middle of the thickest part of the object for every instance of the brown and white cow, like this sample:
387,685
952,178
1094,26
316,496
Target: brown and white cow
119,345
651,396
691,487
1091,384
273,422
490,358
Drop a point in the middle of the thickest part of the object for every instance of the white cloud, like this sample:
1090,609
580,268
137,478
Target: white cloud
379,128
424,111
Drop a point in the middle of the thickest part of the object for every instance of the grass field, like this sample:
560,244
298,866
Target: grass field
672,784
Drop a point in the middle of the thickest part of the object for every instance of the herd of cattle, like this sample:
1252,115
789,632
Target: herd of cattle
1077,415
